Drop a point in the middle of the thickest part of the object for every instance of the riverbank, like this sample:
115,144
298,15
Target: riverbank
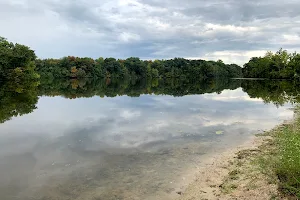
265,167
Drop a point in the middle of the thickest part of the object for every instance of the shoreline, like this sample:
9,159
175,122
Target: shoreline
211,176
235,173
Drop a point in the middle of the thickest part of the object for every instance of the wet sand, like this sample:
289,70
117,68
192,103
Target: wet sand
215,180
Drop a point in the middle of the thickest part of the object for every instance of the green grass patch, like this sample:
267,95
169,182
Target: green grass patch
275,162
287,166
279,157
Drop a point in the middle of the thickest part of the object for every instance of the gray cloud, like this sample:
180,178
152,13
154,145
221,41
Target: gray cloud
232,30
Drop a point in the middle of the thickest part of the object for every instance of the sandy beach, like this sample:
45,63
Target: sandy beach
230,175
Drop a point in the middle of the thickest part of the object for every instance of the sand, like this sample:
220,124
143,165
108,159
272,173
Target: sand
232,175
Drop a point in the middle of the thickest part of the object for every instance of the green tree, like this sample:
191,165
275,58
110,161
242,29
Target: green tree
281,65
16,61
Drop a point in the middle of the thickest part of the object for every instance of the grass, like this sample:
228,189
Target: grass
276,163
287,167
280,157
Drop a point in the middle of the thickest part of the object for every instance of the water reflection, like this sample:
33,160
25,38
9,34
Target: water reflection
123,147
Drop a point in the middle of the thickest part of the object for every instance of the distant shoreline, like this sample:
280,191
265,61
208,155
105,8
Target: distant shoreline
259,79
251,79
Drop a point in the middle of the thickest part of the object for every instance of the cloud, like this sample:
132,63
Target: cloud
127,114
152,29
238,56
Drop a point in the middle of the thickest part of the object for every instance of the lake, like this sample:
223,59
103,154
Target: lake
126,139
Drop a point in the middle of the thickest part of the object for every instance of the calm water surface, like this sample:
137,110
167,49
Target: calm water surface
123,147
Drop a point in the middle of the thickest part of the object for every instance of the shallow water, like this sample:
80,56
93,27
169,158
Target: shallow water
123,147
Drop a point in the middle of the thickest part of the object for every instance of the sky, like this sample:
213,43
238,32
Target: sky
231,30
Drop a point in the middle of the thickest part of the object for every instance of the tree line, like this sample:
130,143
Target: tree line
75,67
279,65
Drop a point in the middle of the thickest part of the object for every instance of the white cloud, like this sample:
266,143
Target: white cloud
291,39
240,57
128,114
129,37
215,29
